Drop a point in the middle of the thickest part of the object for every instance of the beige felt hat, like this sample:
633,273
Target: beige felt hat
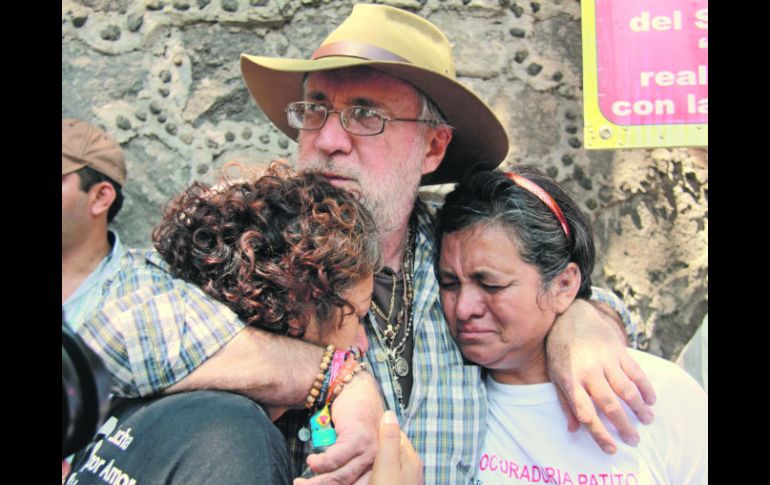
83,144
405,46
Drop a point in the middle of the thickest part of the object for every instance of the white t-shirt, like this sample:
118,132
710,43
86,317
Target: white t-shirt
527,440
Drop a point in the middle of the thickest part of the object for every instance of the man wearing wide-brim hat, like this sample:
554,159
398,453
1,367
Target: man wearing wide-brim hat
400,44
377,108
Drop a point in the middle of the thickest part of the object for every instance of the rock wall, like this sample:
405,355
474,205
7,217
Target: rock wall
163,77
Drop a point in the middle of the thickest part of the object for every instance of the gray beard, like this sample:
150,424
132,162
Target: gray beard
390,217
390,201
387,214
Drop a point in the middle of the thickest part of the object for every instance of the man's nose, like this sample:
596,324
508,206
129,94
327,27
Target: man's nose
332,137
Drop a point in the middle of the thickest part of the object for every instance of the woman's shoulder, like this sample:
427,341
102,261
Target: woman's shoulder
681,403
680,428
664,374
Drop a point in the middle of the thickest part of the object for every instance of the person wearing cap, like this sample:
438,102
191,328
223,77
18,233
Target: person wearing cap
93,172
378,109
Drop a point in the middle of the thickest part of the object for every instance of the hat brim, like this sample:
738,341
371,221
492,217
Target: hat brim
478,136
68,165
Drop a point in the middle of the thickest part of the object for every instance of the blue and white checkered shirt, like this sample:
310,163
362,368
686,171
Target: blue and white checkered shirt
446,411
445,417
153,329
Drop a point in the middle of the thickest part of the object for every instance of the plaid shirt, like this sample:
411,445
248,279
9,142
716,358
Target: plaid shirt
154,329
447,408
445,417
617,305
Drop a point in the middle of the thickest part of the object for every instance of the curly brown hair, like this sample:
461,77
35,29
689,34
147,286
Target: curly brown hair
273,248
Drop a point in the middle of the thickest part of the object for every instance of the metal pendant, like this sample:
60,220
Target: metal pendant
303,434
381,355
401,367
397,390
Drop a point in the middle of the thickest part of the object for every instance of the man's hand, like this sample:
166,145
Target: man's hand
396,460
356,414
587,359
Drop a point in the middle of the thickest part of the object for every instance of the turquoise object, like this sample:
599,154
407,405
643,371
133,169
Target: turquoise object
322,431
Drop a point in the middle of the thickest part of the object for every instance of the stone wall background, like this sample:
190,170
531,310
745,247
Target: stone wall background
162,76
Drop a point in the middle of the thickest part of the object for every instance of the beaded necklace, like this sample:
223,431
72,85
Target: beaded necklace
390,330
391,351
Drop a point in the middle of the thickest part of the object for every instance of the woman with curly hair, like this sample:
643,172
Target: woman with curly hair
289,253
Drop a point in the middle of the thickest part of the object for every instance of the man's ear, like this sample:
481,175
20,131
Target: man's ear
564,287
100,198
436,144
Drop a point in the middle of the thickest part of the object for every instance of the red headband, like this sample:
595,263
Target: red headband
541,194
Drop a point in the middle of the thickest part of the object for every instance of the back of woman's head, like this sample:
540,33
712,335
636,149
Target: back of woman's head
492,198
271,249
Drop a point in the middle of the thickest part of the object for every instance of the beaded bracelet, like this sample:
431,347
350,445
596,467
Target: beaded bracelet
334,369
321,378
348,371
323,392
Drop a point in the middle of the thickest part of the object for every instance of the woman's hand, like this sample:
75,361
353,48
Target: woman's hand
396,460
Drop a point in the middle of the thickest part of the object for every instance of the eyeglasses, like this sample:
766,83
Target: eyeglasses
357,120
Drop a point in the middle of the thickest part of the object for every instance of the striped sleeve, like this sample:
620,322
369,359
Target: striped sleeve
609,298
154,330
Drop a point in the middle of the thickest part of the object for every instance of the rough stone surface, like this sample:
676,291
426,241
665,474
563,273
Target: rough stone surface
123,123
134,22
534,69
230,5
155,4
649,208
111,32
79,21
